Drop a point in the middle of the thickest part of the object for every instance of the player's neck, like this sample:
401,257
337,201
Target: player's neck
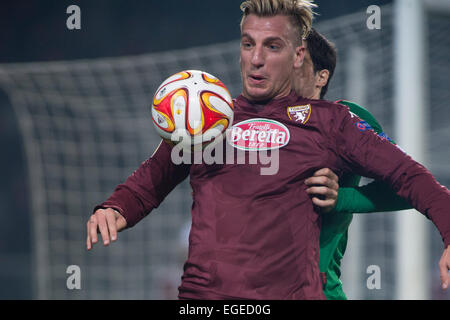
263,103
315,96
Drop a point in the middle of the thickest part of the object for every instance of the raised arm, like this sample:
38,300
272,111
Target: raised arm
367,154
376,196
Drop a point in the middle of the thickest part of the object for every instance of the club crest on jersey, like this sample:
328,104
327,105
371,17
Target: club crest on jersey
258,134
299,113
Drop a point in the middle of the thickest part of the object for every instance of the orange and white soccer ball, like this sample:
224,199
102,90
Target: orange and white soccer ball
192,107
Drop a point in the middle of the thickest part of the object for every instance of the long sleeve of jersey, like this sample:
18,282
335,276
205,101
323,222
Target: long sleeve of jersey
368,154
376,196
147,187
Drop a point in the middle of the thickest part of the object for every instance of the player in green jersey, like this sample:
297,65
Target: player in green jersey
374,197
312,82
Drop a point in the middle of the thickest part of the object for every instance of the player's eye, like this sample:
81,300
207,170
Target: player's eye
246,45
274,47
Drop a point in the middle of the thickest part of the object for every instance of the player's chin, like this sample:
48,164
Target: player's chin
258,93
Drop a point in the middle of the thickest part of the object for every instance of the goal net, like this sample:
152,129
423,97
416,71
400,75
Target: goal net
86,127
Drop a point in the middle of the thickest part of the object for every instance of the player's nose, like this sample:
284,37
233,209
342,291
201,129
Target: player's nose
257,58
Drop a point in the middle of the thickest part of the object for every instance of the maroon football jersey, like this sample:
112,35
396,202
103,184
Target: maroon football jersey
255,235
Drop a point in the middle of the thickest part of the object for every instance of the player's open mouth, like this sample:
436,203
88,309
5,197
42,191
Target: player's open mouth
256,79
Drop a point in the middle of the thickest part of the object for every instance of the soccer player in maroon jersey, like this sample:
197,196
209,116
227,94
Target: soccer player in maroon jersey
254,236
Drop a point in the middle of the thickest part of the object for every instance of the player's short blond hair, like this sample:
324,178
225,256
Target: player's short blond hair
299,11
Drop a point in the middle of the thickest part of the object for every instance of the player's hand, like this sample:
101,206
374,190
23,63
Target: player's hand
444,267
323,186
107,222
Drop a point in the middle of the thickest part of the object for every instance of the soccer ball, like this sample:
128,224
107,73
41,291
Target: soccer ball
193,108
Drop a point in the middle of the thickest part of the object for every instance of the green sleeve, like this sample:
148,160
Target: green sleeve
376,196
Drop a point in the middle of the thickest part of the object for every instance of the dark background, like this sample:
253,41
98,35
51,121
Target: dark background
36,31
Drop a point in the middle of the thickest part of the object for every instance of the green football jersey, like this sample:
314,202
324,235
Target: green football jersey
374,197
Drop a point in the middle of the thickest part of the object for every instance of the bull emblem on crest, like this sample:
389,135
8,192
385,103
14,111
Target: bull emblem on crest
300,113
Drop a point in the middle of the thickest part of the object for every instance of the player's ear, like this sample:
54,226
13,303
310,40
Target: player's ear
300,52
322,78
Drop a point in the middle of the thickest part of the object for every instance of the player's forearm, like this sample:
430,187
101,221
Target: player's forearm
130,206
147,187
373,197
429,198
137,196
374,157
412,181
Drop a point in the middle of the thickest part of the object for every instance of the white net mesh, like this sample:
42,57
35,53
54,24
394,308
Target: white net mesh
86,126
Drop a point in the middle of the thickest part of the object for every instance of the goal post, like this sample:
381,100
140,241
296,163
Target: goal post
410,119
